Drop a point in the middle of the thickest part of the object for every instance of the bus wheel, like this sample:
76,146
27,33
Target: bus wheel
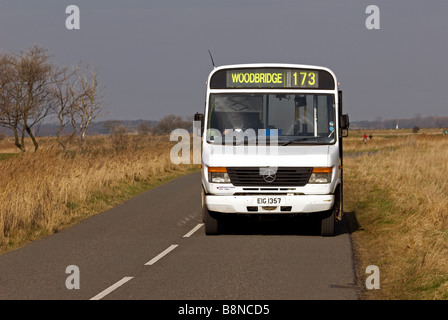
211,223
328,221
327,224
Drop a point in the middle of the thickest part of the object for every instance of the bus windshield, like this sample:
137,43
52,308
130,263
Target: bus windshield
292,118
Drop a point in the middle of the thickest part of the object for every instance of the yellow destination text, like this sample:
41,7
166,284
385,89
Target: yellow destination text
257,77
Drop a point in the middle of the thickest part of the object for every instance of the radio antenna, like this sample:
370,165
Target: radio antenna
213,62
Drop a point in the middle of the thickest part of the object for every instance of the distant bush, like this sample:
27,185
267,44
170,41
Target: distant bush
120,137
171,122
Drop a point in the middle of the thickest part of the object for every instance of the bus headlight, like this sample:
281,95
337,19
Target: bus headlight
218,175
321,175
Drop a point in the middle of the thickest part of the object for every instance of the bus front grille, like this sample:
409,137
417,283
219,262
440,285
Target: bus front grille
283,176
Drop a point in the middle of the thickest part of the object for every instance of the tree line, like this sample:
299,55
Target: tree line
416,122
33,88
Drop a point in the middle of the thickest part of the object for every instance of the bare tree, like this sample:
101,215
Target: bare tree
65,105
26,96
89,102
78,102
32,87
10,115
8,118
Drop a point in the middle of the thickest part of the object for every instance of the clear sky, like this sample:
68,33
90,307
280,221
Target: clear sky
152,56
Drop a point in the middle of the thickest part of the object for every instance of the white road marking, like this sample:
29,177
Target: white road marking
193,230
161,255
104,293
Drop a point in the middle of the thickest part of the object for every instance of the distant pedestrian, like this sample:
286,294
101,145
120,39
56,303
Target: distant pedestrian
370,137
364,138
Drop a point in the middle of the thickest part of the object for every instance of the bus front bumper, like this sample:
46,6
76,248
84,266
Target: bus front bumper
253,204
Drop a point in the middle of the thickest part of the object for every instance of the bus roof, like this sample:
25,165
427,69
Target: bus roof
273,65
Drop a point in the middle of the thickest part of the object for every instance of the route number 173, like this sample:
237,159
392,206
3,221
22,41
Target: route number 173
304,79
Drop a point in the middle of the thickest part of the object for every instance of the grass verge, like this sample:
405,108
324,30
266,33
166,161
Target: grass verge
400,199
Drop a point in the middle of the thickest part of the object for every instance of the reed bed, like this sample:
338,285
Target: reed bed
43,191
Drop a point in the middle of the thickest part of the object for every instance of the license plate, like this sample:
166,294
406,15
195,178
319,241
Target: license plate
262,201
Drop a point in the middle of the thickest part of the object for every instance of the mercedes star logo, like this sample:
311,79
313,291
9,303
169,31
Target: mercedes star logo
269,175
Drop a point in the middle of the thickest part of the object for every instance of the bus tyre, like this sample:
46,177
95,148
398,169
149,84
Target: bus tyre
211,223
327,224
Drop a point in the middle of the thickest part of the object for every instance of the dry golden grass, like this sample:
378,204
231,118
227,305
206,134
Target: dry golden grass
399,195
43,191
7,146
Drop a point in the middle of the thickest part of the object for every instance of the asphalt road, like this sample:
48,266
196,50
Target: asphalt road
154,247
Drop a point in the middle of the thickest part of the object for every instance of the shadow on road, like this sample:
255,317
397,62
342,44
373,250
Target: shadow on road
352,222
283,225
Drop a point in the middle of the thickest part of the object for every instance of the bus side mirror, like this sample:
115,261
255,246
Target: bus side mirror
199,117
345,124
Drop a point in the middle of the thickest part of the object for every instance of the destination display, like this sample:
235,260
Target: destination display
273,78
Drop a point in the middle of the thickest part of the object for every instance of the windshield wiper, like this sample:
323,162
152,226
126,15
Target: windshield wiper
298,140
